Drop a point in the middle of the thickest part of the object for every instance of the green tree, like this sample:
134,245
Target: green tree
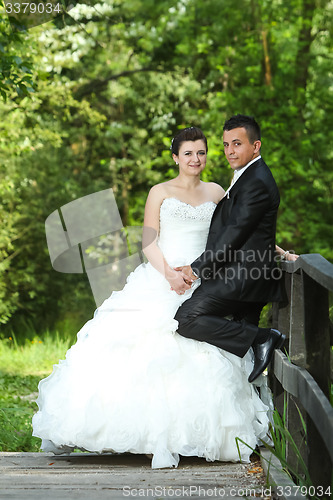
16,55
116,80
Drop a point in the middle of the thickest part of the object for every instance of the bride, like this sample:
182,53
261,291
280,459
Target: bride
131,383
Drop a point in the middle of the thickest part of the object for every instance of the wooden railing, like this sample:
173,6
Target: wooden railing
302,370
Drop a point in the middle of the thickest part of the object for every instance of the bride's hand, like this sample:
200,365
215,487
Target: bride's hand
291,257
179,281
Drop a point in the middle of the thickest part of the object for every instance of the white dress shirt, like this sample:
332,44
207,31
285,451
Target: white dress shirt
238,173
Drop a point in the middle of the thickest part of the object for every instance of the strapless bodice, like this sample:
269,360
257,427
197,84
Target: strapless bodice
183,230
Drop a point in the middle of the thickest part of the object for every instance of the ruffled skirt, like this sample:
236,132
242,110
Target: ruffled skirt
132,384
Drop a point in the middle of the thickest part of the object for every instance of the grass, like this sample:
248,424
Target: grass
281,437
22,366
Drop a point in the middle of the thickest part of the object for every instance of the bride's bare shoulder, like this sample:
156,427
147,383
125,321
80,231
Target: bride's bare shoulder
163,189
160,191
216,191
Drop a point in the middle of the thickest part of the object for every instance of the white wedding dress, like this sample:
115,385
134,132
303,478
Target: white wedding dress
132,384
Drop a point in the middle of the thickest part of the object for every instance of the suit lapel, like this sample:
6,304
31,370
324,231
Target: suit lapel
227,201
248,172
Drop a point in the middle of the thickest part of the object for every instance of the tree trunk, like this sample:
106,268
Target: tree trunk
268,71
302,62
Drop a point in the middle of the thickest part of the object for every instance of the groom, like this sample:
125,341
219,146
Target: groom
238,270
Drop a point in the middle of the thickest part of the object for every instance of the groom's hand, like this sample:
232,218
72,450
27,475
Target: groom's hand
187,270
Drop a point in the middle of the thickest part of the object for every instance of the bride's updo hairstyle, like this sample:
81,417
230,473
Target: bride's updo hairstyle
187,134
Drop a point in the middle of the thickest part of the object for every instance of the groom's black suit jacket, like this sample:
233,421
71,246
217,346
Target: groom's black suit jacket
239,261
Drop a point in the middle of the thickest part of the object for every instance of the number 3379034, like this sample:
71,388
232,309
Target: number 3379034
32,8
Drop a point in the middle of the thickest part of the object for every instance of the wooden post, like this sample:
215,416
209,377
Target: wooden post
280,321
317,332
297,348
306,322
317,339
297,356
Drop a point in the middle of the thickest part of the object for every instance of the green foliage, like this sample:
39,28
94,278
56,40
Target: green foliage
16,79
115,82
16,412
281,438
22,365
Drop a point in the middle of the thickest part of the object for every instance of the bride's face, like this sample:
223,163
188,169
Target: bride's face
192,157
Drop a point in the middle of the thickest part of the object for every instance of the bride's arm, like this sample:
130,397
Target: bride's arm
150,248
286,254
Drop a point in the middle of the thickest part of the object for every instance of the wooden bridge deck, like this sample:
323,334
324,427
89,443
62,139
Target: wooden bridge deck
35,476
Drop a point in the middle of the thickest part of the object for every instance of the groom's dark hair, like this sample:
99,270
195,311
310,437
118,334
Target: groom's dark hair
243,121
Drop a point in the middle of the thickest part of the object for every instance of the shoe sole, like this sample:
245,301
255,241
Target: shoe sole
280,342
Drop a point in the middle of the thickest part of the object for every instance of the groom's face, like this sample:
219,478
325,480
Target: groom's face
238,149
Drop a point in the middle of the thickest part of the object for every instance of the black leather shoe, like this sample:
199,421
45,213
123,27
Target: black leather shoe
263,353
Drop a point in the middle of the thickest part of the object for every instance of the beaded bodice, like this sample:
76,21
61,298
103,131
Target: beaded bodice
183,230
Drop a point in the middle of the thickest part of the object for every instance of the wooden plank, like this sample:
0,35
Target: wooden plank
43,476
277,476
315,266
